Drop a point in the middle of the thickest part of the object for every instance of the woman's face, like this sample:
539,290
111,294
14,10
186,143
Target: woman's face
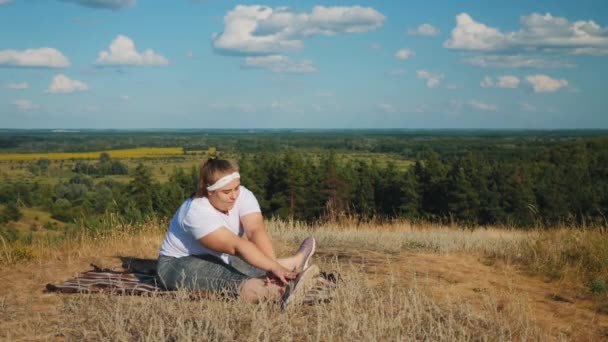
223,199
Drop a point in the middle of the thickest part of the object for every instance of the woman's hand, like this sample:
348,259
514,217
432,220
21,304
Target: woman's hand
282,274
224,241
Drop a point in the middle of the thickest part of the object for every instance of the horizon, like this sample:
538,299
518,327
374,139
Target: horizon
299,130
248,65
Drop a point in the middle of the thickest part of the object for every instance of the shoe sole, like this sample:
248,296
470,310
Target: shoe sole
296,290
309,256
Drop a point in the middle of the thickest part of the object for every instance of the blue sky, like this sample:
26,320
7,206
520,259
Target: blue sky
303,64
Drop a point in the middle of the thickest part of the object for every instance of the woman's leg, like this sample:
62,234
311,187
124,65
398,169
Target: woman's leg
246,268
291,263
200,273
207,273
296,262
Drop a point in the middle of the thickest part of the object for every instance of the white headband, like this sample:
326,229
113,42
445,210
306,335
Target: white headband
220,183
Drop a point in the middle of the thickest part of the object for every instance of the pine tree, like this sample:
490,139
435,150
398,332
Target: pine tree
335,192
295,184
431,177
363,195
462,199
389,190
410,198
141,190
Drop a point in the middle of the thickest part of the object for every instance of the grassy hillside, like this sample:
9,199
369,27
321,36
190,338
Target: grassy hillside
400,282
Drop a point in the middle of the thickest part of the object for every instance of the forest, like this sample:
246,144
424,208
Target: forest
503,178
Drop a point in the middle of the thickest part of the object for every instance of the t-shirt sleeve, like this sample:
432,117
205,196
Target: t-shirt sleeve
247,203
202,222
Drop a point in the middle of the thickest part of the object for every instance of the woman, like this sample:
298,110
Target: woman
204,248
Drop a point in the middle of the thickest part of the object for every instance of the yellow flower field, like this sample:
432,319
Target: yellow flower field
142,152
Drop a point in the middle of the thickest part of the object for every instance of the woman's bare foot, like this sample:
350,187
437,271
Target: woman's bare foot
258,289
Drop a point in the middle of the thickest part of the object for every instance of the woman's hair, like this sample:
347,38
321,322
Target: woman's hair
212,170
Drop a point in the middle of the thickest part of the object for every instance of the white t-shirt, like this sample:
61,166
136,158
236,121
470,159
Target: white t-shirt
196,217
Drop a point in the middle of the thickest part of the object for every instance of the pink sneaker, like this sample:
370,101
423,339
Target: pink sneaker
308,249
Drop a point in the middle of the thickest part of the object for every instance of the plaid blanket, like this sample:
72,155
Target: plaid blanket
133,283
106,280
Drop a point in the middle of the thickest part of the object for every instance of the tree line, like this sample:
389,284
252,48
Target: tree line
565,184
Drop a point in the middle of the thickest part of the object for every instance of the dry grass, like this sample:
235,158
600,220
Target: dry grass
397,236
358,312
400,282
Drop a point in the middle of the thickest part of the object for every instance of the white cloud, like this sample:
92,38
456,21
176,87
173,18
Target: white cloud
482,106
545,84
487,82
40,58
590,51
516,61
5,2
263,30
404,54
25,105
432,79
506,81
527,107
191,55
109,4
471,35
122,52
281,105
538,32
280,64
425,29
422,108
387,108
18,86
63,84
547,31
124,97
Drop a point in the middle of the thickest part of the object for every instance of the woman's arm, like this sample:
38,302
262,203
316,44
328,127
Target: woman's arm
224,241
254,227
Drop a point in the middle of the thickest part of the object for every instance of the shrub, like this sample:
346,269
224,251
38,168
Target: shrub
598,286
10,213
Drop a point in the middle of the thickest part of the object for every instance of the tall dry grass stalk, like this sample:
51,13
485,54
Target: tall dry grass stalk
397,236
568,254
